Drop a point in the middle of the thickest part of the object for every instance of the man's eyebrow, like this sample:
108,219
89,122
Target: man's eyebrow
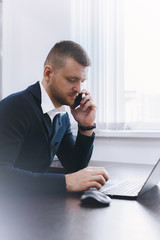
75,78
72,77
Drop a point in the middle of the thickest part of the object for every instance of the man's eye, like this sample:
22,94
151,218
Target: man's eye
71,80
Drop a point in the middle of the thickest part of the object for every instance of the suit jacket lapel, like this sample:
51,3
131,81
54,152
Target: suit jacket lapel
36,92
48,124
51,130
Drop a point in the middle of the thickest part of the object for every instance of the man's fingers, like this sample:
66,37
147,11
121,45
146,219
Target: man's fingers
86,97
94,184
99,171
89,104
89,177
84,91
98,178
85,100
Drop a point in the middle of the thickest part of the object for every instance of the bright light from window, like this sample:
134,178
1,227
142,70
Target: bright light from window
142,60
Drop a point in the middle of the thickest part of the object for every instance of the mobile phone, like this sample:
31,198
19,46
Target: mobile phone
77,100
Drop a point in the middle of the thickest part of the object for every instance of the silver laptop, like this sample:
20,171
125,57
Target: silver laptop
130,188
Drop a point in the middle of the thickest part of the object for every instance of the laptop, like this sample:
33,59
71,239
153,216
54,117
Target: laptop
131,188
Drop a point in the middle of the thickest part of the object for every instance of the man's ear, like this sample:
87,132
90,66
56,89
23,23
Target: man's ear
47,73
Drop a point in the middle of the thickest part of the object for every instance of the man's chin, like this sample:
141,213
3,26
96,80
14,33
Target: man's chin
69,103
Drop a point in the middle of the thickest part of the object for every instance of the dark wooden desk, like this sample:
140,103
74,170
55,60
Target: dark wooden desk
59,217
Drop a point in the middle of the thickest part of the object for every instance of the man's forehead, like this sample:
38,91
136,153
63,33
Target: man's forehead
74,69
77,74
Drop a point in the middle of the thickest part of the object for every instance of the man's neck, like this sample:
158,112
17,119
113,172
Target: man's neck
45,85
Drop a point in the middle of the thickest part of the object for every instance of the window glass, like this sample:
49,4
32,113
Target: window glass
142,63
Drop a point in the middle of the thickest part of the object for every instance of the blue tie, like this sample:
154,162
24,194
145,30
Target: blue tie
54,128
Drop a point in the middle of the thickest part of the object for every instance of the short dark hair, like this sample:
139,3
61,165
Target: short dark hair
64,50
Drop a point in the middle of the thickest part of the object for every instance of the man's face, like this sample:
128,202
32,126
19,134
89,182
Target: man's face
65,83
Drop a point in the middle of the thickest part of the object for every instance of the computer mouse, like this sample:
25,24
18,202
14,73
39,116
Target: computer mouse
95,197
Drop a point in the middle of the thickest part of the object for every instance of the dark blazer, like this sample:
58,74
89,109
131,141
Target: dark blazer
26,147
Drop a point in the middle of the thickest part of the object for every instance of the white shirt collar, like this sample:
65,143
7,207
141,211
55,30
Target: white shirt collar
47,105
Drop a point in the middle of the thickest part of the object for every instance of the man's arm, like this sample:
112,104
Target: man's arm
75,154
89,176
13,130
13,180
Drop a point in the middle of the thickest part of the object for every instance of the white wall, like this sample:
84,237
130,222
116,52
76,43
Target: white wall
30,29
135,150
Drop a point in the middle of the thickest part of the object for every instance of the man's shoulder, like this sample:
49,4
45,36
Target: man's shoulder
22,95
19,100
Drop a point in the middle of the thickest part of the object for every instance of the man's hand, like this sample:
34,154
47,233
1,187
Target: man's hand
86,113
86,178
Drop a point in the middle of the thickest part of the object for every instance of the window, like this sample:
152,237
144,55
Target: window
122,38
142,63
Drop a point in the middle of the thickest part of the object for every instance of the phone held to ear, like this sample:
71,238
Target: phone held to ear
77,100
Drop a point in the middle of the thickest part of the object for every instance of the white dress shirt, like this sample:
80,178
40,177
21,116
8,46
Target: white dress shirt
47,105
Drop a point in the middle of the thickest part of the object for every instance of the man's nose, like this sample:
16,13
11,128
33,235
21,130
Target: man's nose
77,87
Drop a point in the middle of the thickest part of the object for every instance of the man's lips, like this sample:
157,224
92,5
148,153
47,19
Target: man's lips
73,95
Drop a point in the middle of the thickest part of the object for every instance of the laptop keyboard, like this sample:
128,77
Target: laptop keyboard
126,187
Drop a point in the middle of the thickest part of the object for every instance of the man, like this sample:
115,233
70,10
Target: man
34,126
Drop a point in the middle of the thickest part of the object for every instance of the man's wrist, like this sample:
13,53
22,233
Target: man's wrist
86,128
68,187
88,133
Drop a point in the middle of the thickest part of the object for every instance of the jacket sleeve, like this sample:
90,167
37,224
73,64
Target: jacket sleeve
14,180
13,129
75,154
